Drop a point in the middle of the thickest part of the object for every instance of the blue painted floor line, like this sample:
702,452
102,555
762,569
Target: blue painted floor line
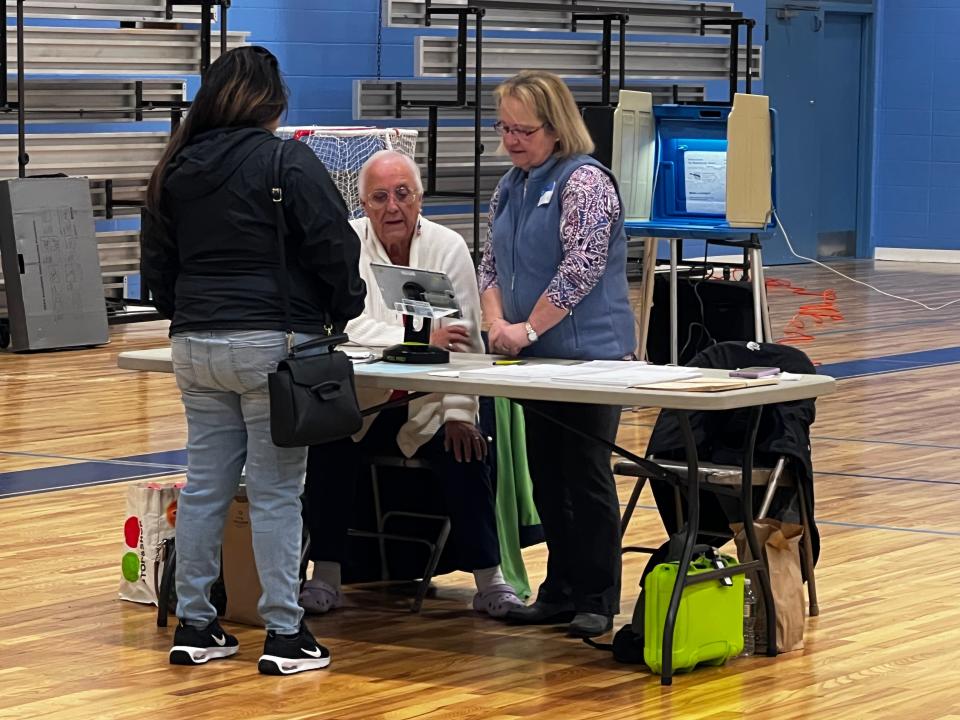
170,458
892,363
177,458
885,369
9,490
90,472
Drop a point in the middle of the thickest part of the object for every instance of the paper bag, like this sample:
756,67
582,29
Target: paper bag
240,576
150,519
781,545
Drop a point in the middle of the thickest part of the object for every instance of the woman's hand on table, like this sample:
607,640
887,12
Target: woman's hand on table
509,339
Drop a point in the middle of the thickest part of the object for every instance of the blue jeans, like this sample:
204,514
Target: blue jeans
222,377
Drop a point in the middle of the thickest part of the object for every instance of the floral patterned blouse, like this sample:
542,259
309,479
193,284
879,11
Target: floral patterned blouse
589,207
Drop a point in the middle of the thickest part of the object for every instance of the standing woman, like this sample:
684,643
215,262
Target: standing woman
553,283
210,258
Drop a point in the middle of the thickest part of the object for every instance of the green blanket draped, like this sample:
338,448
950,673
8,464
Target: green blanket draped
515,506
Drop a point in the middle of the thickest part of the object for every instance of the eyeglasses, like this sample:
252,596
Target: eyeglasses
516,130
403,195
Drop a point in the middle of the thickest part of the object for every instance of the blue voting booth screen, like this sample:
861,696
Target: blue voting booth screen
691,164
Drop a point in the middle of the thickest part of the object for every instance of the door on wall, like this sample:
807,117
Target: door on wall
812,73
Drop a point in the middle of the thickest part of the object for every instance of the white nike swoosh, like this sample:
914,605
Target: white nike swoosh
315,653
221,641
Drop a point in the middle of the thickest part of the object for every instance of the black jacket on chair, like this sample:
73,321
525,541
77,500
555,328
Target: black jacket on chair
719,435
211,261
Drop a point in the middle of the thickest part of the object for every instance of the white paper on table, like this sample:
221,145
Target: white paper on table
611,364
518,373
632,374
388,368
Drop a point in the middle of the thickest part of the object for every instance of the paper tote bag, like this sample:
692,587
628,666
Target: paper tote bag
150,519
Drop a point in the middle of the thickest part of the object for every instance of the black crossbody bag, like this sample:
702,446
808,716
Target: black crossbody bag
313,399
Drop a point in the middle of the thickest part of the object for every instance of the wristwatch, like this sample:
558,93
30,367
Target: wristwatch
531,333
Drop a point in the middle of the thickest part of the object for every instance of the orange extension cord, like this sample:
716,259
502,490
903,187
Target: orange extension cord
808,317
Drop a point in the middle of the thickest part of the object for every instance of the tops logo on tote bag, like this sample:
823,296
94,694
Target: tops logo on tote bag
151,517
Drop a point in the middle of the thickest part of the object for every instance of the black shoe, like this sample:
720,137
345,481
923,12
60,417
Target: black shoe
542,613
289,654
195,646
586,625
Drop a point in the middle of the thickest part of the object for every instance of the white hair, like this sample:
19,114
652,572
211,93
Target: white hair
385,155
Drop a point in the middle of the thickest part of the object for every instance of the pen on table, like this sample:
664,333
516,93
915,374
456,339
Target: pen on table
508,362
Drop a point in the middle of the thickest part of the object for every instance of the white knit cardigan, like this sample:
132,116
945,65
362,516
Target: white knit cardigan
433,247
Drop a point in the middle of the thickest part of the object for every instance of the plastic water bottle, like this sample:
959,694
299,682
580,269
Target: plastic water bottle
749,619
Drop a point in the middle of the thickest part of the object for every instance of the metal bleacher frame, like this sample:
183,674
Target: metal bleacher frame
460,102
579,12
117,248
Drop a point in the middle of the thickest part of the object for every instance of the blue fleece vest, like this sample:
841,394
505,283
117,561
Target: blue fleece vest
528,251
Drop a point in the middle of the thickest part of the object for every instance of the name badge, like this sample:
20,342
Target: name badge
546,195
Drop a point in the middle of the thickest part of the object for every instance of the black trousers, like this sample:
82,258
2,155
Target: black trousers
334,470
576,498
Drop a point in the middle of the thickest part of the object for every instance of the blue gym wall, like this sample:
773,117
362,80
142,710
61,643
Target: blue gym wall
323,45
918,125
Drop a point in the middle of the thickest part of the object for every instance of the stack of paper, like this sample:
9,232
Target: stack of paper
612,373
515,373
710,384
628,374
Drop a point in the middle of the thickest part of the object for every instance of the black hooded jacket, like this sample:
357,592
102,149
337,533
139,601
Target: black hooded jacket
784,430
211,260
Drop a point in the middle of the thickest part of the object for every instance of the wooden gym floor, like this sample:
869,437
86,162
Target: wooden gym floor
887,644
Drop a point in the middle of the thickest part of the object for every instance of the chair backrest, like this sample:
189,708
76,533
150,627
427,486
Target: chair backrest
784,431
784,427
735,354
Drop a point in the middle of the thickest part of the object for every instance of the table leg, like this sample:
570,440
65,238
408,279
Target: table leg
764,307
673,302
756,279
756,552
646,293
692,524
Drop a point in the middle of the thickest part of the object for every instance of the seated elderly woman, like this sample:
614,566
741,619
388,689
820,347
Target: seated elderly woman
438,428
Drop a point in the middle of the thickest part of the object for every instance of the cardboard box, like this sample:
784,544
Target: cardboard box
239,568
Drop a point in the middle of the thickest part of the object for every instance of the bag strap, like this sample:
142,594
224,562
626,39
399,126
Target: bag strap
276,195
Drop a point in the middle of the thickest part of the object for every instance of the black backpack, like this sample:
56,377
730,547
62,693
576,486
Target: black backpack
163,581
627,645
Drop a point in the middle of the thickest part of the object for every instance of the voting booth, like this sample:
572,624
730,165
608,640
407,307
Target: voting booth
703,172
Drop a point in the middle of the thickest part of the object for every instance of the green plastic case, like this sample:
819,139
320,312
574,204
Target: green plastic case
709,627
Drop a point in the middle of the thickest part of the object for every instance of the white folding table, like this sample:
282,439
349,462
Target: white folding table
424,379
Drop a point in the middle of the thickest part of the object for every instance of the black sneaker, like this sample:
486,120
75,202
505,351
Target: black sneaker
195,646
289,654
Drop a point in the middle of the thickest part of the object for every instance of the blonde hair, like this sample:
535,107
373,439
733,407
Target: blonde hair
549,98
